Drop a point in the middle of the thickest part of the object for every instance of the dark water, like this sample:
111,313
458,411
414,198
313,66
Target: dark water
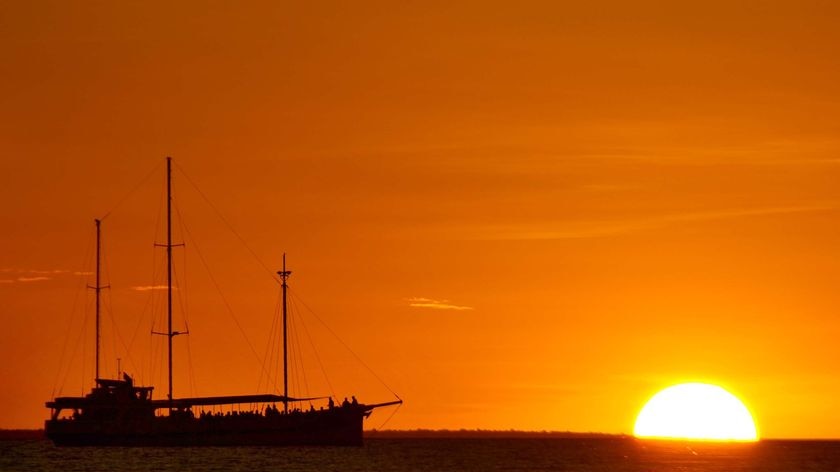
582,455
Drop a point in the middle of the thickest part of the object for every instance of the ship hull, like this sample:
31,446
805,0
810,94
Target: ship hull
337,427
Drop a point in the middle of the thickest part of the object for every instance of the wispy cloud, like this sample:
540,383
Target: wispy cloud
421,302
17,275
10,270
146,288
604,228
33,279
47,272
742,212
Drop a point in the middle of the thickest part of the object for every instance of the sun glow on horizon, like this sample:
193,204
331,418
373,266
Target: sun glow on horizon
695,411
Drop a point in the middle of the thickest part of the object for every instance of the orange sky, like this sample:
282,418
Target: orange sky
624,195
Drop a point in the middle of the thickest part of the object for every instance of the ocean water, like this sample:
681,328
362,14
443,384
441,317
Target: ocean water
496,454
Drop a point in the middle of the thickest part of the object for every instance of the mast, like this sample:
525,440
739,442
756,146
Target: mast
97,289
169,269
169,333
284,275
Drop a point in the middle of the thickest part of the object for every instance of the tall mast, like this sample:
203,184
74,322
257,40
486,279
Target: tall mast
169,333
97,288
284,275
169,269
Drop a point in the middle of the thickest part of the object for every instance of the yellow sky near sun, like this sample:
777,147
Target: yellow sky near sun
624,196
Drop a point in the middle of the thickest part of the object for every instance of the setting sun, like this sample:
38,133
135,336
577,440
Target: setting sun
696,411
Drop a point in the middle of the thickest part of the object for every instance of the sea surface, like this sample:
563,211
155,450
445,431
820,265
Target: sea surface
496,454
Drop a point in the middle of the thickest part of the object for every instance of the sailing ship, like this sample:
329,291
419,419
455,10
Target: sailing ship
117,412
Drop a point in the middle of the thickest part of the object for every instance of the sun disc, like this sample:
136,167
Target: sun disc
695,411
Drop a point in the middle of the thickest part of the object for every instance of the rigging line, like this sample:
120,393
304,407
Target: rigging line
294,294
148,307
280,360
299,345
225,221
182,300
152,360
119,335
131,192
159,311
157,343
268,355
298,319
140,320
107,313
193,384
300,367
79,290
294,391
153,345
317,357
294,387
399,405
182,295
84,350
274,350
277,348
266,359
222,296
109,308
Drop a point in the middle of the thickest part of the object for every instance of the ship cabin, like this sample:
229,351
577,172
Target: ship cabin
109,399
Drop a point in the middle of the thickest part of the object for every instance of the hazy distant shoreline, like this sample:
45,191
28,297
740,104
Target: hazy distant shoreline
38,434
17,434
482,433
23,434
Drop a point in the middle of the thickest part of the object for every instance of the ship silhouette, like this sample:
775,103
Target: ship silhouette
117,412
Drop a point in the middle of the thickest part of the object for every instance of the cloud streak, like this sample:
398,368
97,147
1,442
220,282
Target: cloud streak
605,228
147,288
33,279
422,302
35,275
47,272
